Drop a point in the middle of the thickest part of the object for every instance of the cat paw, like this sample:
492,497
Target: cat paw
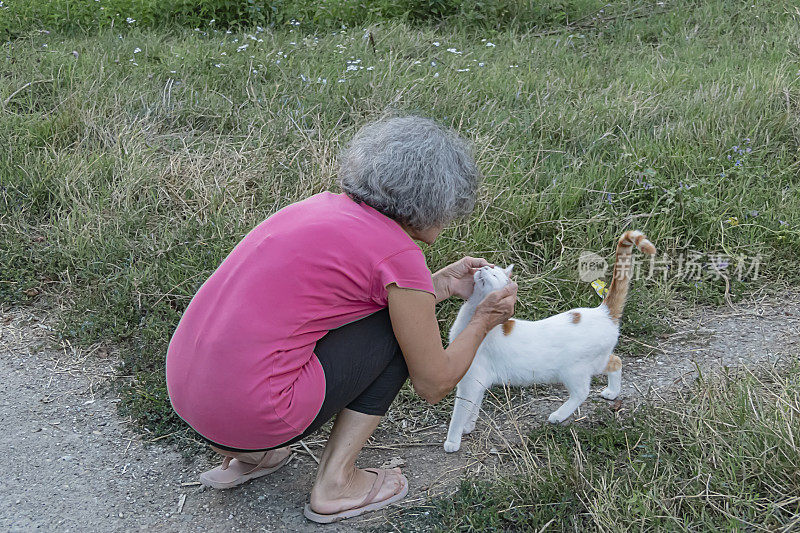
608,394
468,428
555,419
451,447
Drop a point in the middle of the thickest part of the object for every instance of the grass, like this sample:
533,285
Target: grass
134,156
71,15
723,457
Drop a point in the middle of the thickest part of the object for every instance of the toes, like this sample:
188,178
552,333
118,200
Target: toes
394,484
450,447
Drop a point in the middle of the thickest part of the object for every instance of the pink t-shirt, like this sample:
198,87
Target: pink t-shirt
241,368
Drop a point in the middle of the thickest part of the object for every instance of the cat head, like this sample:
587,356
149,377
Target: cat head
489,279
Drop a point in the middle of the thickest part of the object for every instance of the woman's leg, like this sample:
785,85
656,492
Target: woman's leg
339,485
364,371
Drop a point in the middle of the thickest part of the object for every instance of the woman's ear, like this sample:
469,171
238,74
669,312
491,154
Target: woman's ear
508,270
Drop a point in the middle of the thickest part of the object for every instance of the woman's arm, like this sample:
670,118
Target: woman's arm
434,370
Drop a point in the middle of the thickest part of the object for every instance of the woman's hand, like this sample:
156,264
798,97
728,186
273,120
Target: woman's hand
457,279
497,307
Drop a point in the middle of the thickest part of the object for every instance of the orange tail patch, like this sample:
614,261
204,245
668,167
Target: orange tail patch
621,277
576,317
508,326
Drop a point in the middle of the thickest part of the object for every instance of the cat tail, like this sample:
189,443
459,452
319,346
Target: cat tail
623,268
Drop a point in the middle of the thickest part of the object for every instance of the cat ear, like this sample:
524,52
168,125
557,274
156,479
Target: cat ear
508,270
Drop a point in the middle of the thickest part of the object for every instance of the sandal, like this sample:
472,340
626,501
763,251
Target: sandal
365,506
233,472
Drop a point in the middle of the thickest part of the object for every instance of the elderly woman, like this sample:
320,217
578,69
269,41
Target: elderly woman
325,309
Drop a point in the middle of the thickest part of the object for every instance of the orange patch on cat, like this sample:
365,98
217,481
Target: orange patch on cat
576,317
614,363
508,325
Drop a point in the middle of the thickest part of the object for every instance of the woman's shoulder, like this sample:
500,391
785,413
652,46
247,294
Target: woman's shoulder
350,230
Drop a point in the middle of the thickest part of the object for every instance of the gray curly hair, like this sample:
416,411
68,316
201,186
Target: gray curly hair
412,170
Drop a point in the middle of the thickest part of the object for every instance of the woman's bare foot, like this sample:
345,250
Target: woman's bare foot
254,458
339,485
238,468
278,456
334,493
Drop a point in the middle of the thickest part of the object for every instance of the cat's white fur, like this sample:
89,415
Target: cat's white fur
567,348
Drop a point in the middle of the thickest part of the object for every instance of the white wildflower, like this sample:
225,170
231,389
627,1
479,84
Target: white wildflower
137,50
490,45
453,51
436,43
130,20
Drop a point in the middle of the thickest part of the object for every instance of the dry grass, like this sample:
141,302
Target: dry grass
720,455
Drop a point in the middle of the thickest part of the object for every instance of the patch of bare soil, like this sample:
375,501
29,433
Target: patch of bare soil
73,464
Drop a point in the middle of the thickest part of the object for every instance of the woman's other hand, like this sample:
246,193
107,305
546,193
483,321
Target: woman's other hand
497,307
457,279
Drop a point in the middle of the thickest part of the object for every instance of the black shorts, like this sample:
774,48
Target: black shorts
364,370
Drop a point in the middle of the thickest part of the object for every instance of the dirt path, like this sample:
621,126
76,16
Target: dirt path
73,464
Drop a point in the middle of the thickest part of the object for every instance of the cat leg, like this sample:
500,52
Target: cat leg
578,388
468,398
473,415
614,372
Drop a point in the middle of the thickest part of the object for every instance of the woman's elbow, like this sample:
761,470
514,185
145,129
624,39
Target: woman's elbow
433,398
434,393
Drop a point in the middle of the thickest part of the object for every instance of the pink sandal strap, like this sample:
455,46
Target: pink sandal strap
262,463
376,486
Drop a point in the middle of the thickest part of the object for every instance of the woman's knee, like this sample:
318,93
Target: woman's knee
380,394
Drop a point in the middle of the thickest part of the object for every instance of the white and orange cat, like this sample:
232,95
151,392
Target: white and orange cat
568,348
